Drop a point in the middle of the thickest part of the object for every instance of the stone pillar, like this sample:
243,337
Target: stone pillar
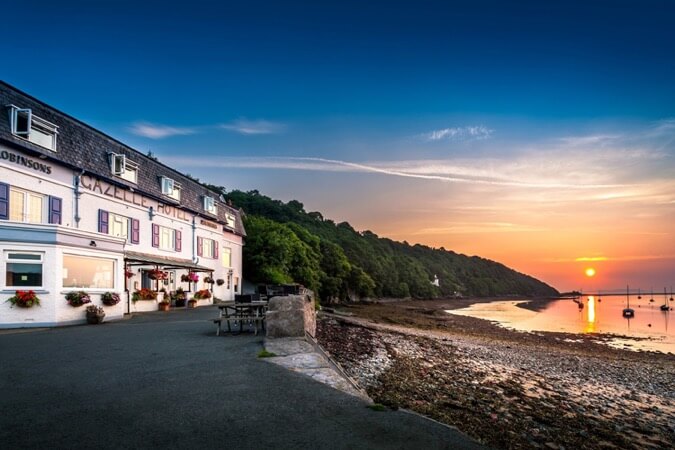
291,316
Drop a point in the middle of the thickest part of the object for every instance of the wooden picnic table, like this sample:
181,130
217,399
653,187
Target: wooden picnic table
241,313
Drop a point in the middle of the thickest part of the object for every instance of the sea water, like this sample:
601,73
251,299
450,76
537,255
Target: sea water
650,329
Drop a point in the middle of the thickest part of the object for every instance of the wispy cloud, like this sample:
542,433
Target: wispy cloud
158,131
241,126
610,258
459,133
471,174
249,127
478,227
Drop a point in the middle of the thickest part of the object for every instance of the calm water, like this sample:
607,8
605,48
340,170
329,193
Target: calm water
597,316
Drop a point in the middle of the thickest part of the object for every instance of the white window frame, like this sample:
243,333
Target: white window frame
112,217
32,122
117,163
26,204
123,167
209,204
172,239
212,247
8,260
226,252
231,220
170,188
91,289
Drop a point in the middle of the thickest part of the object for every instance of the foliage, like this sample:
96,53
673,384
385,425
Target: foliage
275,254
202,295
266,354
285,244
110,298
377,407
144,294
179,294
209,280
24,299
77,298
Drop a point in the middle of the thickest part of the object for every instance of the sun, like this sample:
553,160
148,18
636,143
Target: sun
590,272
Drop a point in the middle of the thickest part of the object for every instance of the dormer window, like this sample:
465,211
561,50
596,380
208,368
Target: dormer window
231,222
210,205
26,125
170,188
123,167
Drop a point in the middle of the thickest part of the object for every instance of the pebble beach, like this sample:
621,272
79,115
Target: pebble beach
507,389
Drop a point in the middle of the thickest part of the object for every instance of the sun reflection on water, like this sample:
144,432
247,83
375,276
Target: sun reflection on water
590,323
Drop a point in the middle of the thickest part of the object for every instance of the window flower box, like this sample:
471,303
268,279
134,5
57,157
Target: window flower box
77,298
24,299
143,294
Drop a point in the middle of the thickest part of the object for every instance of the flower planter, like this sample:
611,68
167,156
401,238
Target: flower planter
95,319
163,306
180,303
192,303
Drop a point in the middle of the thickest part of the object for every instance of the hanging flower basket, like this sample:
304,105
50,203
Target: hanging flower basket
128,273
24,299
156,274
189,278
209,280
110,298
220,282
77,298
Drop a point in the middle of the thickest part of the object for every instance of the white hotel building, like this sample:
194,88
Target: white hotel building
80,210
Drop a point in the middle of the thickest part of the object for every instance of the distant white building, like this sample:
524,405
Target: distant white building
436,282
82,211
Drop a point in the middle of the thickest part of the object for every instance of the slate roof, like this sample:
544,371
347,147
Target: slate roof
80,146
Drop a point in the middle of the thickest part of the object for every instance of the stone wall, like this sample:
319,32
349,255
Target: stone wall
291,316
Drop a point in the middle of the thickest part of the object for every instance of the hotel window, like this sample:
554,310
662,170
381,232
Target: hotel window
166,238
88,272
119,226
123,167
28,126
210,205
231,222
170,188
23,270
207,248
26,206
227,257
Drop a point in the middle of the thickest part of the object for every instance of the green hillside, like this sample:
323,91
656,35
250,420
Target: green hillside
287,244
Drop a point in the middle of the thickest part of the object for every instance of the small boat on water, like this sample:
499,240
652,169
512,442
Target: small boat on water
639,296
627,311
579,302
665,306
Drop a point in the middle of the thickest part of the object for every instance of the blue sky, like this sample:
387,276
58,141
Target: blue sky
391,115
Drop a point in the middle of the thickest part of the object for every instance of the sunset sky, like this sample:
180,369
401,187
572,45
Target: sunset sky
538,134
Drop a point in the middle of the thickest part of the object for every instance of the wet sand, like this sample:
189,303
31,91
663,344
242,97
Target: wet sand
507,389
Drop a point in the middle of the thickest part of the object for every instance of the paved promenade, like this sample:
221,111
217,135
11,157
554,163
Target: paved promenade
164,380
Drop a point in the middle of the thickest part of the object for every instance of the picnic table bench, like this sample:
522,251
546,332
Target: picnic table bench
241,314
